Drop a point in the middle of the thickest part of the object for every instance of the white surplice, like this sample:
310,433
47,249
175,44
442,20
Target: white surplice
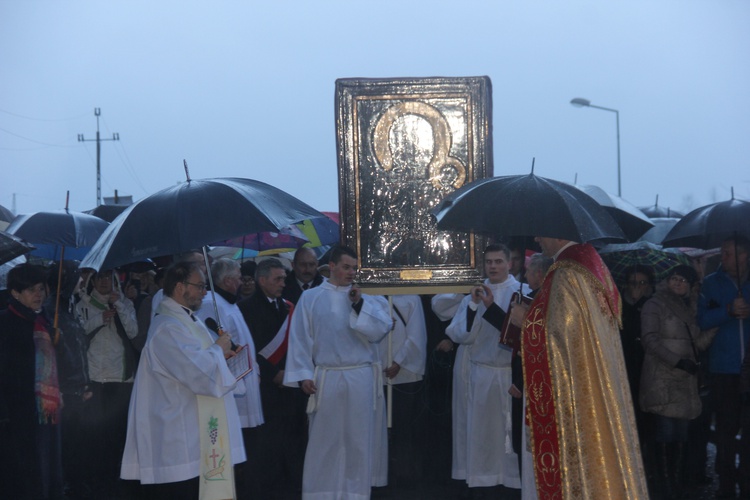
163,440
232,322
408,341
336,347
490,459
445,306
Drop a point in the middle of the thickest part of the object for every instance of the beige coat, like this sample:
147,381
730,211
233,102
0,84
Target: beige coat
669,333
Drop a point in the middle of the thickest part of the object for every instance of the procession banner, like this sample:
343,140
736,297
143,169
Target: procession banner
403,144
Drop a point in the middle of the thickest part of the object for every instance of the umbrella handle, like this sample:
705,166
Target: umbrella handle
57,297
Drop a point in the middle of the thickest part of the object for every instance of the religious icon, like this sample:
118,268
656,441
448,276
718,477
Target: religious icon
403,145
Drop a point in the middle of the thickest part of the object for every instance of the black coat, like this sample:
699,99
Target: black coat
19,420
292,290
264,321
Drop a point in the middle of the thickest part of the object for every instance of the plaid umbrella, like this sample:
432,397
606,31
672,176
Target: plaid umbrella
12,247
619,257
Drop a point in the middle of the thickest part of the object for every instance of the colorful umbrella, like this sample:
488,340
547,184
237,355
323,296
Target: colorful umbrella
321,232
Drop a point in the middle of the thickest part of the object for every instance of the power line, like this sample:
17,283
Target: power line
41,119
115,137
35,141
126,161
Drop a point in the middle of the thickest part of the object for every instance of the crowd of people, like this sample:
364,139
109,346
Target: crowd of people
254,381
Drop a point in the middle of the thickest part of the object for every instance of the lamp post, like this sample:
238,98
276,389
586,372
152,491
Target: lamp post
580,102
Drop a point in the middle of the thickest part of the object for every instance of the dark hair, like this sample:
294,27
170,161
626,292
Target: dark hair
642,269
303,250
70,276
687,272
25,276
739,242
339,252
264,268
178,273
248,268
498,247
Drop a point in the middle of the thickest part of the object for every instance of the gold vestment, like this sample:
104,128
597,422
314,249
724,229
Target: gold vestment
583,433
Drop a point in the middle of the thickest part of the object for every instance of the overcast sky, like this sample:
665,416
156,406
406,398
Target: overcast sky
246,89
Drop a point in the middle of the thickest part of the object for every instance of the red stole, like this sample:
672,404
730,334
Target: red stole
540,406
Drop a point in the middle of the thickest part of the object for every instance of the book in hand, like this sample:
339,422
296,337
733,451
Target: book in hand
510,334
240,364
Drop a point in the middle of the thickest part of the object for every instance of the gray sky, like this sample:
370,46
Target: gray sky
246,89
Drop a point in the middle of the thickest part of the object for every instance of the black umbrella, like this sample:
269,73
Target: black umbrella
631,220
192,214
655,210
6,217
662,226
58,227
107,212
12,247
708,226
526,205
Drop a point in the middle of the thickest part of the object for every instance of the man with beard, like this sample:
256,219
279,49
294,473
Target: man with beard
183,422
226,281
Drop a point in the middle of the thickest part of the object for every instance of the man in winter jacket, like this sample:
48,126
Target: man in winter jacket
724,304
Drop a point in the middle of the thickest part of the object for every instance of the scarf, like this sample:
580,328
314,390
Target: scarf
46,386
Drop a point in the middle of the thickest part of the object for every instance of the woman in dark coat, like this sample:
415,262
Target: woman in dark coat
669,384
30,402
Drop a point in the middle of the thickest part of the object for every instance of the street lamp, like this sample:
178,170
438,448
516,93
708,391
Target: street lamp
580,102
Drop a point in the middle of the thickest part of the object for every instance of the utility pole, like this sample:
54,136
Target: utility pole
115,137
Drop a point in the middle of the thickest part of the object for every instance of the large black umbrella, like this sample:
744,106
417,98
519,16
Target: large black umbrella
192,214
631,220
708,226
526,205
11,247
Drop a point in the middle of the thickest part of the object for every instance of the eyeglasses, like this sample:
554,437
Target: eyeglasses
677,279
638,283
200,286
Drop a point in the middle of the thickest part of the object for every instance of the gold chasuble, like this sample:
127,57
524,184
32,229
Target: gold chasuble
583,434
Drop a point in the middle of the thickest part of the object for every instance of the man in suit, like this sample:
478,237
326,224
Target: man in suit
304,275
282,438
